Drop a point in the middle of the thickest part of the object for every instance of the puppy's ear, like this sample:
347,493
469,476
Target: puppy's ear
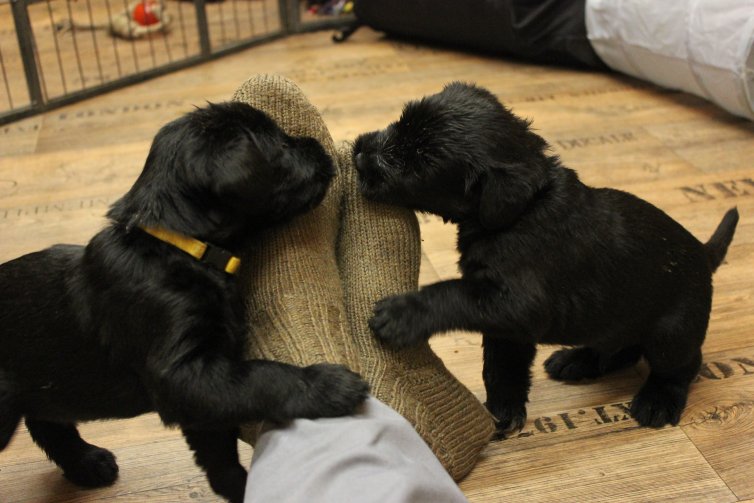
234,175
148,200
506,192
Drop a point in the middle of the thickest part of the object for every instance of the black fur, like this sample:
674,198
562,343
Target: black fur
130,324
543,257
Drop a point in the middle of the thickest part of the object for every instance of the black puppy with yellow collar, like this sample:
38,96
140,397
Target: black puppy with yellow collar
147,316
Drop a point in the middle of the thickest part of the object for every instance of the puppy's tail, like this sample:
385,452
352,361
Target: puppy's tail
717,246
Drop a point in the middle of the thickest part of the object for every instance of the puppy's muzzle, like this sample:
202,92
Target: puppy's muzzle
369,170
366,154
369,166
359,160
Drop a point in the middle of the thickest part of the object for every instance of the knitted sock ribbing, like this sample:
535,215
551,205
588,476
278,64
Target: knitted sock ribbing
379,255
289,277
311,285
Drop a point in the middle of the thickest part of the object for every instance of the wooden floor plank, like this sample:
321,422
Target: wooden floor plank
720,417
610,467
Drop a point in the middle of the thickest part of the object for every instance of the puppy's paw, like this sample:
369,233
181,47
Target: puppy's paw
397,320
95,468
330,391
573,364
509,417
658,404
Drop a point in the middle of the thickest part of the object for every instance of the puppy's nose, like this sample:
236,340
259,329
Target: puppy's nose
359,159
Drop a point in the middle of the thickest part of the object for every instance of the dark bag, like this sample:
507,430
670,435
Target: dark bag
546,31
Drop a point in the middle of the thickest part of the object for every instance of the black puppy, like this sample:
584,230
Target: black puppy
544,258
131,323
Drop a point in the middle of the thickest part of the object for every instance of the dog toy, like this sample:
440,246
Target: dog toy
140,19
310,288
146,13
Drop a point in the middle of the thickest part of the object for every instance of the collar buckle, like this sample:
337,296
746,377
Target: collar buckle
216,257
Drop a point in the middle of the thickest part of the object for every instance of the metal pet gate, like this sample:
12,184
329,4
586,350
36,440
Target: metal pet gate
54,52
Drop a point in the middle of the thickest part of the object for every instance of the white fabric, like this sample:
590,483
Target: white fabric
375,456
705,47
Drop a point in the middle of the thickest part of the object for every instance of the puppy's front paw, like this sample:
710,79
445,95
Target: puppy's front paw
397,320
509,417
229,482
573,364
95,468
330,391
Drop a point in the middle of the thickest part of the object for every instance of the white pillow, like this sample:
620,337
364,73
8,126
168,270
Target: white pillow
705,47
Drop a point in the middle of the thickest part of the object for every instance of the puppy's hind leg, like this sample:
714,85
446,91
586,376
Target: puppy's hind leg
673,351
82,463
216,452
575,364
662,398
10,414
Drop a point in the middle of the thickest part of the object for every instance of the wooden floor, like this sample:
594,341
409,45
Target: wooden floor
60,171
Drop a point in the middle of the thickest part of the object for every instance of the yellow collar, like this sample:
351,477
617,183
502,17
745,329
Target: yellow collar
201,251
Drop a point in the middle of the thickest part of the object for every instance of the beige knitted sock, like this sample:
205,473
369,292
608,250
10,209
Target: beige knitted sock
379,255
310,287
290,279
